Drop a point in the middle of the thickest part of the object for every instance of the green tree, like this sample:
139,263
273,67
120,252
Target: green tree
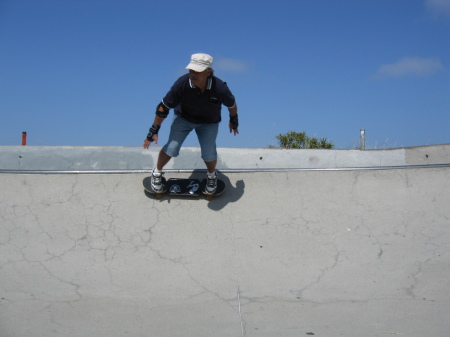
299,140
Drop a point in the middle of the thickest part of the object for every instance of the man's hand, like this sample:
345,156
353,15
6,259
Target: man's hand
147,142
152,136
232,129
234,124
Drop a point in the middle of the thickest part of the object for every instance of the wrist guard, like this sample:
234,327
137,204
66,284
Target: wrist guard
234,121
165,111
153,131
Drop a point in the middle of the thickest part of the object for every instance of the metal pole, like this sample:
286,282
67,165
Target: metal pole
24,138
240,171
362,139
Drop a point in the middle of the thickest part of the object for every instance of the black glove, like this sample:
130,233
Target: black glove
234,121
153,131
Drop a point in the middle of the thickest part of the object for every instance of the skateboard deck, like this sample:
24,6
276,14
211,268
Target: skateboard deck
183,187
175,186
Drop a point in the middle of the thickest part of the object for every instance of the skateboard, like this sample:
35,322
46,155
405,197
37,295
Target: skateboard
183,187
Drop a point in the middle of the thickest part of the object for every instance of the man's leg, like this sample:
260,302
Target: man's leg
178,133
163,159
211,177
179,130
207,134
211,166
157,173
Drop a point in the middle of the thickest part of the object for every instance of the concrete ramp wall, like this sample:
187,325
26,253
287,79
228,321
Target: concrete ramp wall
326,253
90,158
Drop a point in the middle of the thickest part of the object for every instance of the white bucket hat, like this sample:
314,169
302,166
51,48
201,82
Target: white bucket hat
200,62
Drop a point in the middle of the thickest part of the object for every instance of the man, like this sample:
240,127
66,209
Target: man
197,99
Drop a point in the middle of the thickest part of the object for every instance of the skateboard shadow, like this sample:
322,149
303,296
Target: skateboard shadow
231,194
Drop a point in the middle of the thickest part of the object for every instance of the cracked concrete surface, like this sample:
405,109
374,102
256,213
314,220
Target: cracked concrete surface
329,253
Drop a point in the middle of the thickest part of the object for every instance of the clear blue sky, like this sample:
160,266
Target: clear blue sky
91,72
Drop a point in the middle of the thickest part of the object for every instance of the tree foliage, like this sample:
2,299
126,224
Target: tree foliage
299,140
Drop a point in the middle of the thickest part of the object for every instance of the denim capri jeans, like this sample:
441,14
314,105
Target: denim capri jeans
206,134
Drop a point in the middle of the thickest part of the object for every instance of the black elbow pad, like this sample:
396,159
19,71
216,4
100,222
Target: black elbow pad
165,111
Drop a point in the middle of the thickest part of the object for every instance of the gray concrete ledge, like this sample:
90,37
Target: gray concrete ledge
69,158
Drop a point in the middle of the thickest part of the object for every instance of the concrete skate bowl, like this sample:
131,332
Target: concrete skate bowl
295,252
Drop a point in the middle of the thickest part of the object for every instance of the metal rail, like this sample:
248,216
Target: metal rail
253,170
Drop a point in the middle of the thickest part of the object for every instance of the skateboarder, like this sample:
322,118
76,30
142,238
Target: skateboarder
197,99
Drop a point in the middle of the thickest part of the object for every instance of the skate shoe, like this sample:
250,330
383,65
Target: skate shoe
211,183
157,181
